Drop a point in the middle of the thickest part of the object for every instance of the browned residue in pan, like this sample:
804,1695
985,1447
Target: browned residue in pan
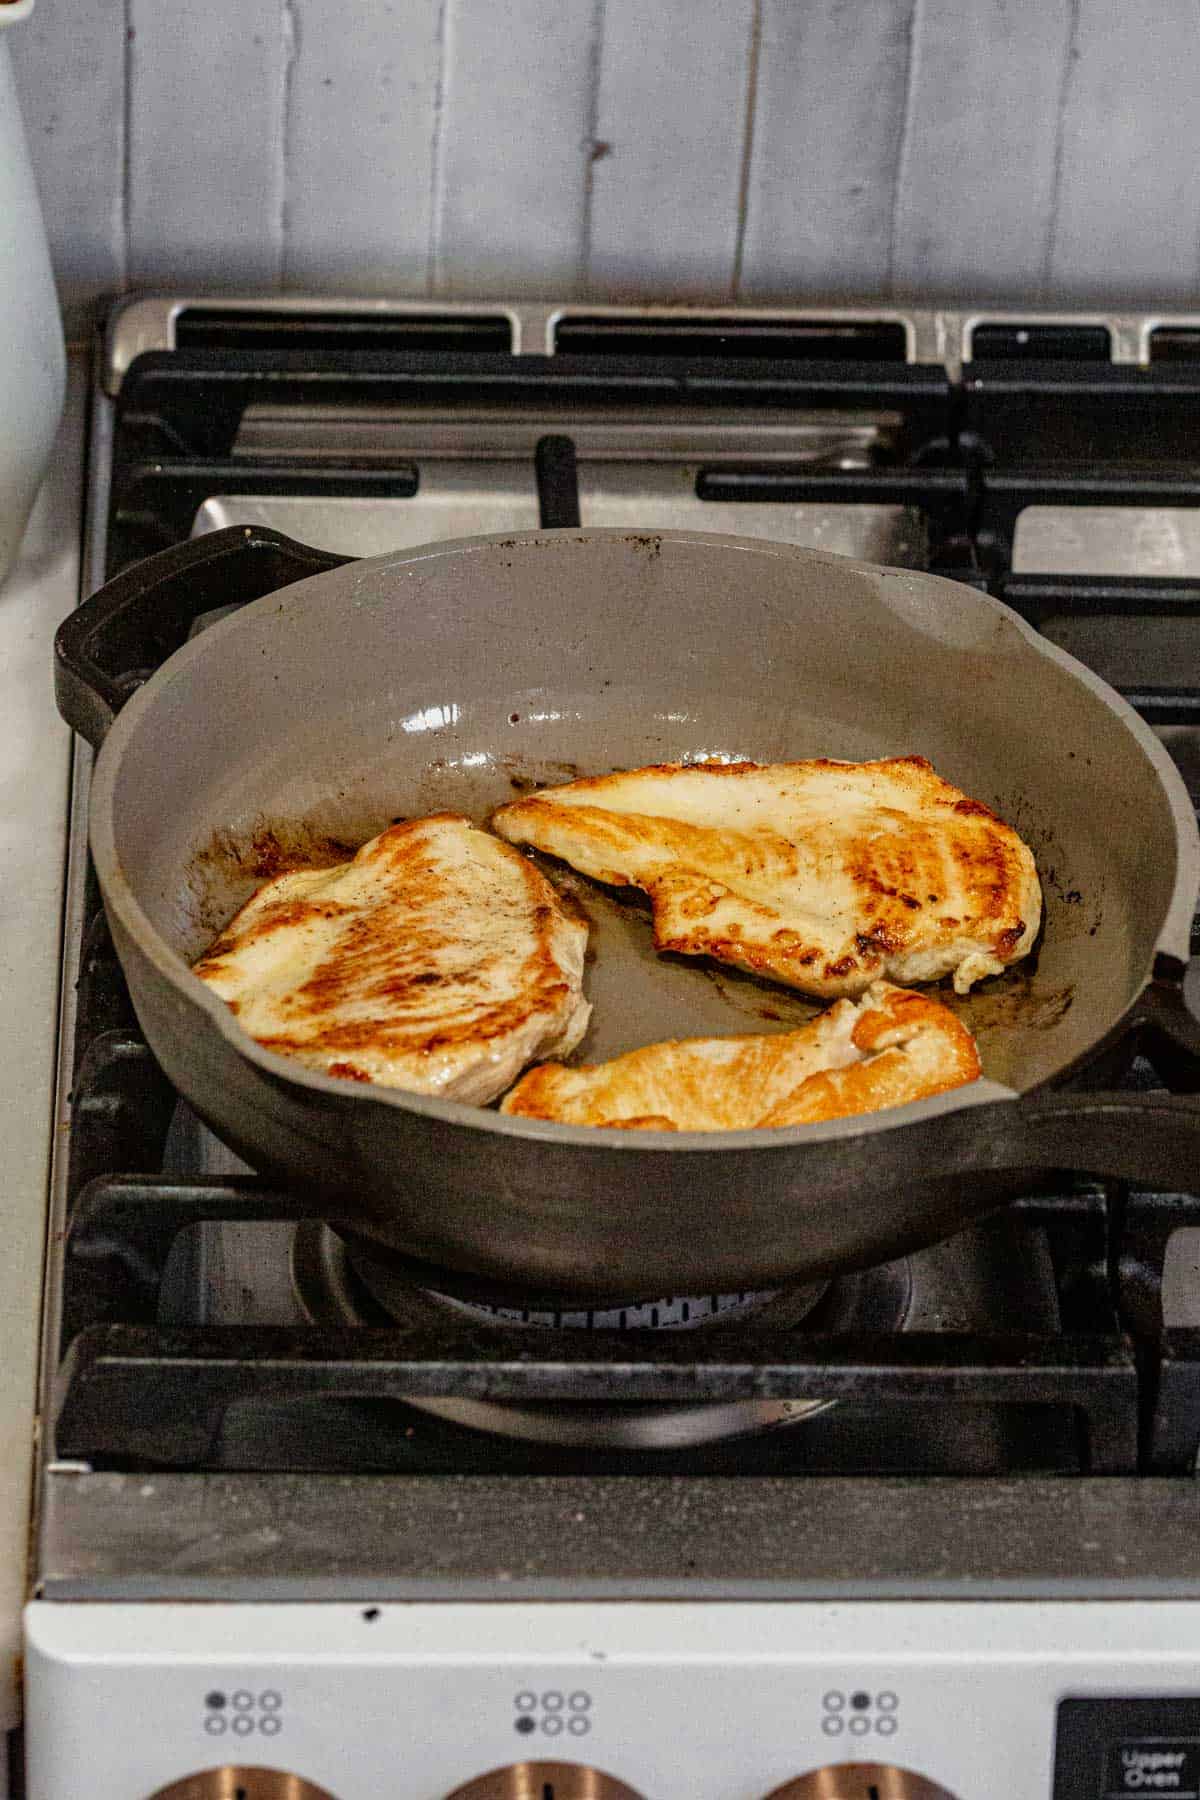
757,998
271,850
588,898
1015,1001
525,773
573,906
228,864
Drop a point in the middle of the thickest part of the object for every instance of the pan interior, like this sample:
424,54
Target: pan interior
457,677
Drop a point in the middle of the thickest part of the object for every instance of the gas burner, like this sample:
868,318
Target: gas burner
390,1284
673,1314
339,1284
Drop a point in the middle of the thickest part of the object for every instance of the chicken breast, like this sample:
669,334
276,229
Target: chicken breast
438,960
823,875
887,1048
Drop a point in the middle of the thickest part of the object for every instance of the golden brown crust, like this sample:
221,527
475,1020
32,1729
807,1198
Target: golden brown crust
912,1046
893,1047
821,874
436,951
643,1122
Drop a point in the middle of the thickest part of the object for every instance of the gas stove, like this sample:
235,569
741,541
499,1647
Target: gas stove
372,1532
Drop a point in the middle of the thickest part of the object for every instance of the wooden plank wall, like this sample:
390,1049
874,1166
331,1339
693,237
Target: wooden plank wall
759,149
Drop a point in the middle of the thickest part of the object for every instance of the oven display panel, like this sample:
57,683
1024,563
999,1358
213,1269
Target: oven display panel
1111,1749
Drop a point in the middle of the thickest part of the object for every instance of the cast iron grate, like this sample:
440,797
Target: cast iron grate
134,1394
1125,1390
178,415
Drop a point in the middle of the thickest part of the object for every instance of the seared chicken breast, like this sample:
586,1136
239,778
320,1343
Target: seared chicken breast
823,875
439,960
889,1047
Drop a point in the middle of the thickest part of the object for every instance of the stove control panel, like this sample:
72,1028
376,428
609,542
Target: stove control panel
1110,1749
528,1699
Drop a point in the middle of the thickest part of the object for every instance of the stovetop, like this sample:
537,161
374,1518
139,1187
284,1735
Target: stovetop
207,1332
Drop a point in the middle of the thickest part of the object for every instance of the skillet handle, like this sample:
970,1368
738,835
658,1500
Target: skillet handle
1168,1028
114,641
1149,1138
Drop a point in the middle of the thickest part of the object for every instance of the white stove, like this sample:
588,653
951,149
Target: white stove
35,755
669,1701
275,1558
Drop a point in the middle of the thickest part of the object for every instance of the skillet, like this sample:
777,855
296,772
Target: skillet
348,694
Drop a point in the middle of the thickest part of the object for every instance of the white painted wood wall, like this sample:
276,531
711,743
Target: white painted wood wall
756,149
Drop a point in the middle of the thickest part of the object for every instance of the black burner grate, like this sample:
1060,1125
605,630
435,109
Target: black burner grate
134,1393
1112,1390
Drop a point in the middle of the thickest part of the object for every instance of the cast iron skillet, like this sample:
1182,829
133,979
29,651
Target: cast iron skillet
453,675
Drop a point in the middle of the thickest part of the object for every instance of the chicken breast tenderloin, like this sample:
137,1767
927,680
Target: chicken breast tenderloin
890,1047
439,960
823,875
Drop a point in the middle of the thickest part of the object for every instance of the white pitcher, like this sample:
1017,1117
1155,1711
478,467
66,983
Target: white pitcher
32,358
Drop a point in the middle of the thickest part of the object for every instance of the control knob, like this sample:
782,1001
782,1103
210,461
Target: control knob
242,1784
544,1781
860,1781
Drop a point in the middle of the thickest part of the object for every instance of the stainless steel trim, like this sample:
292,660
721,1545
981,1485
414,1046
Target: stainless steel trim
861,312
147,322
835,439
132,327
1149,323
1128,331
437,1537
947,347
932,335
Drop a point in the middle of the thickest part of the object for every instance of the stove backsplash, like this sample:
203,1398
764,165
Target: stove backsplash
604,148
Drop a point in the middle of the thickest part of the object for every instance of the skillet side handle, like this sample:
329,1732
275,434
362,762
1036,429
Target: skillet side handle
114,641
1150,1139
1147,1138
1168,1028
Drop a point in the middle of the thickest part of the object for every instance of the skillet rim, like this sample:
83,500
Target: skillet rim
1172,939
